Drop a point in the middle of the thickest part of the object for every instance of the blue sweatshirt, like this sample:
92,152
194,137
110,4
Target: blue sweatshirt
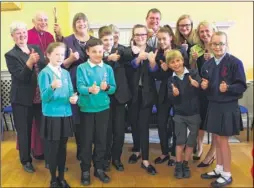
55,103
230,69
87,74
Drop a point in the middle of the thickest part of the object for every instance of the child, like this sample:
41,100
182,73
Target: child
95,81
223,79
56,93
183,88
115,132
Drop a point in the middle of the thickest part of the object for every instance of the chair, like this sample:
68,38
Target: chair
8,110
245,110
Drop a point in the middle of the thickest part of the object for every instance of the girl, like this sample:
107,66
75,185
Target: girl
224,82
144,95
200,53
166,41
56,93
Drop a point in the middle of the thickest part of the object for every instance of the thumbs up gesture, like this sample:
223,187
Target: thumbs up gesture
164,66
175,90
104,85
33,57
56,83
207,55
74,56
74,98
94,89
134,48
223,87
151,58
194,55
204,83
193,82
114,57
185,45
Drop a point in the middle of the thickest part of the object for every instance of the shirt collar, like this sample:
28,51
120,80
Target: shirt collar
217,61
56,70
93,65
185,71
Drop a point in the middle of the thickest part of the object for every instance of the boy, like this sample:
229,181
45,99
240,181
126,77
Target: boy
183,88
95,81
116,126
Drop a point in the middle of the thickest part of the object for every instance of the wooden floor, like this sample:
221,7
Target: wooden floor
12,174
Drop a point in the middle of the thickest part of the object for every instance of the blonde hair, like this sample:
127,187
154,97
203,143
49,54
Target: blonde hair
173,54
197,39
178,36
17,25
114,28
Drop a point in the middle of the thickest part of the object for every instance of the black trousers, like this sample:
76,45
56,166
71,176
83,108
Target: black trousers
56,156
23,116
140,126
93,128
163,115
116,131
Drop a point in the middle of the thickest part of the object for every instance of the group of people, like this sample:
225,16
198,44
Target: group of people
81,85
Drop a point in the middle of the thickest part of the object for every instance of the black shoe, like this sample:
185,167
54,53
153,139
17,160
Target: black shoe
216,184
28,167
201,165
150,169
171,162
106,167
118,165
39,157
178,170
65,169
159,160
63,183
99,173
85,178
54,184
207,176
196,157
134,158
186,170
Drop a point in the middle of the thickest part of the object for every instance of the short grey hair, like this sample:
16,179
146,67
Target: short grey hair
114,28
17,25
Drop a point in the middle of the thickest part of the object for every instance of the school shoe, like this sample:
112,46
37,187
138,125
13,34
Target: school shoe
208,176
99,173
178,170
202,164
63,183
171,162
106,167
159,160
118,165
85,178
134,158
186,170
28,167
54,184
226,182
149,169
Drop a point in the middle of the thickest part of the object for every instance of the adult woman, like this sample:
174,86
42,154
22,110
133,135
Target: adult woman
23,62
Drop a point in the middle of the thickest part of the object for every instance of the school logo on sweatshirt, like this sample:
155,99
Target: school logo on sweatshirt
224,71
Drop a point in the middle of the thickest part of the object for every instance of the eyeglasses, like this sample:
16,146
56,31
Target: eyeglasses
140,34
221,44
184,25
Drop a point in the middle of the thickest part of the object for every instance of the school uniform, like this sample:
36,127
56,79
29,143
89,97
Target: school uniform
23,89
94,112
57,123
144,96
186,107
116,126
77,46
164,103
223,113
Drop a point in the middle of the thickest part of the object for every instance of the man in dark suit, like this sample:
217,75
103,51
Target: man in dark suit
22,61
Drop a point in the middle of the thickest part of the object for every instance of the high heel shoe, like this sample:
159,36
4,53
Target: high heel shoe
196,157
201,165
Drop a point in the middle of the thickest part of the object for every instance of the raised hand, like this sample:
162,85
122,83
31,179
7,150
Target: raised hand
114,57
94,89
223,87
193,82
74,56
134,48
164,66
207,55
175,90
74,98
194,55
56,83
151,58
142,55
33,57
204,83
104,85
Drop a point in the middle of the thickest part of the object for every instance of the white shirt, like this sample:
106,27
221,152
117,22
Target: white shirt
181,76
93,65
56,70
